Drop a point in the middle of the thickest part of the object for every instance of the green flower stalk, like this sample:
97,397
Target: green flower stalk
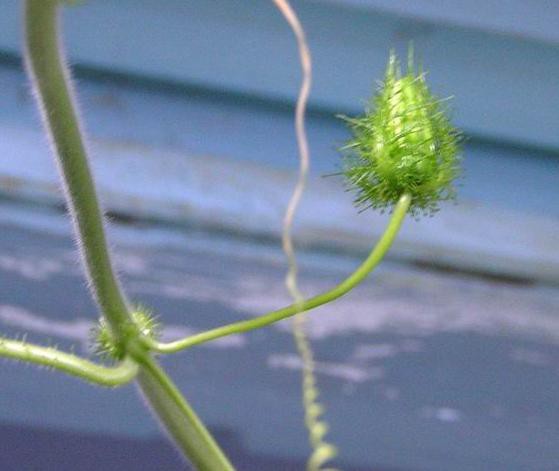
404,143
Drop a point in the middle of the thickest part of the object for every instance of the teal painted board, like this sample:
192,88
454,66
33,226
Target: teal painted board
418,370
534,20
190,124
504,84
225,164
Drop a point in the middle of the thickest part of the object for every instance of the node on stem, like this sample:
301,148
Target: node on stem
142,323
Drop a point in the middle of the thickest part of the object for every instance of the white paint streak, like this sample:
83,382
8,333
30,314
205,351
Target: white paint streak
530,357
442,414
31,268
343,371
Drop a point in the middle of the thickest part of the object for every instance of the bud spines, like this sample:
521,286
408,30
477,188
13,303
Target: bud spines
142,323
403,144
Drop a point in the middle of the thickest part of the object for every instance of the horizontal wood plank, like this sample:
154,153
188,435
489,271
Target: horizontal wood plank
503,76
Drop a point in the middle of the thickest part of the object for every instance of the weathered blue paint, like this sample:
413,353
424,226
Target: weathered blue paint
419,370
504,79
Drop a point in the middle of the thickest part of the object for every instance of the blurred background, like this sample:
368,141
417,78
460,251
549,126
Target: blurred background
446,359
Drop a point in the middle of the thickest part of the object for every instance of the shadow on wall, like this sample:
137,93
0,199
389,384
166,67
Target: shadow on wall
41,449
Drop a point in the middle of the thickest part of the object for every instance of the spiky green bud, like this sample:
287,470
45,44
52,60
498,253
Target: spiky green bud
403,144
142,322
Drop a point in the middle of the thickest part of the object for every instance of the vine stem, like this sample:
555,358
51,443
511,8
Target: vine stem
179,419
375,257
52,358
52,86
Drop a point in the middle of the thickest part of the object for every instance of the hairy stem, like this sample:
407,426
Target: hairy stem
52,87
374,258
51,357
171,408
53,92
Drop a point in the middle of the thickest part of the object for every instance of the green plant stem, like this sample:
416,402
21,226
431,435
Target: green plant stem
71,364
51,79
374,258
170,406
53,92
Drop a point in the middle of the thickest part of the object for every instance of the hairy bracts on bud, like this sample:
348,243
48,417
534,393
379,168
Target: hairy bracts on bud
403,144
142,323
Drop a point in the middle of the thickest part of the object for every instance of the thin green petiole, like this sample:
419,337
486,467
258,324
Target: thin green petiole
374,258
73,365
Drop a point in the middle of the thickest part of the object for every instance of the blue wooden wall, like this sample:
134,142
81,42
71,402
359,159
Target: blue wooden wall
499,59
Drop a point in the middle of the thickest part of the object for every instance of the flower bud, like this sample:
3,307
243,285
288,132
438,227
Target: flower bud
141,322
403,144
